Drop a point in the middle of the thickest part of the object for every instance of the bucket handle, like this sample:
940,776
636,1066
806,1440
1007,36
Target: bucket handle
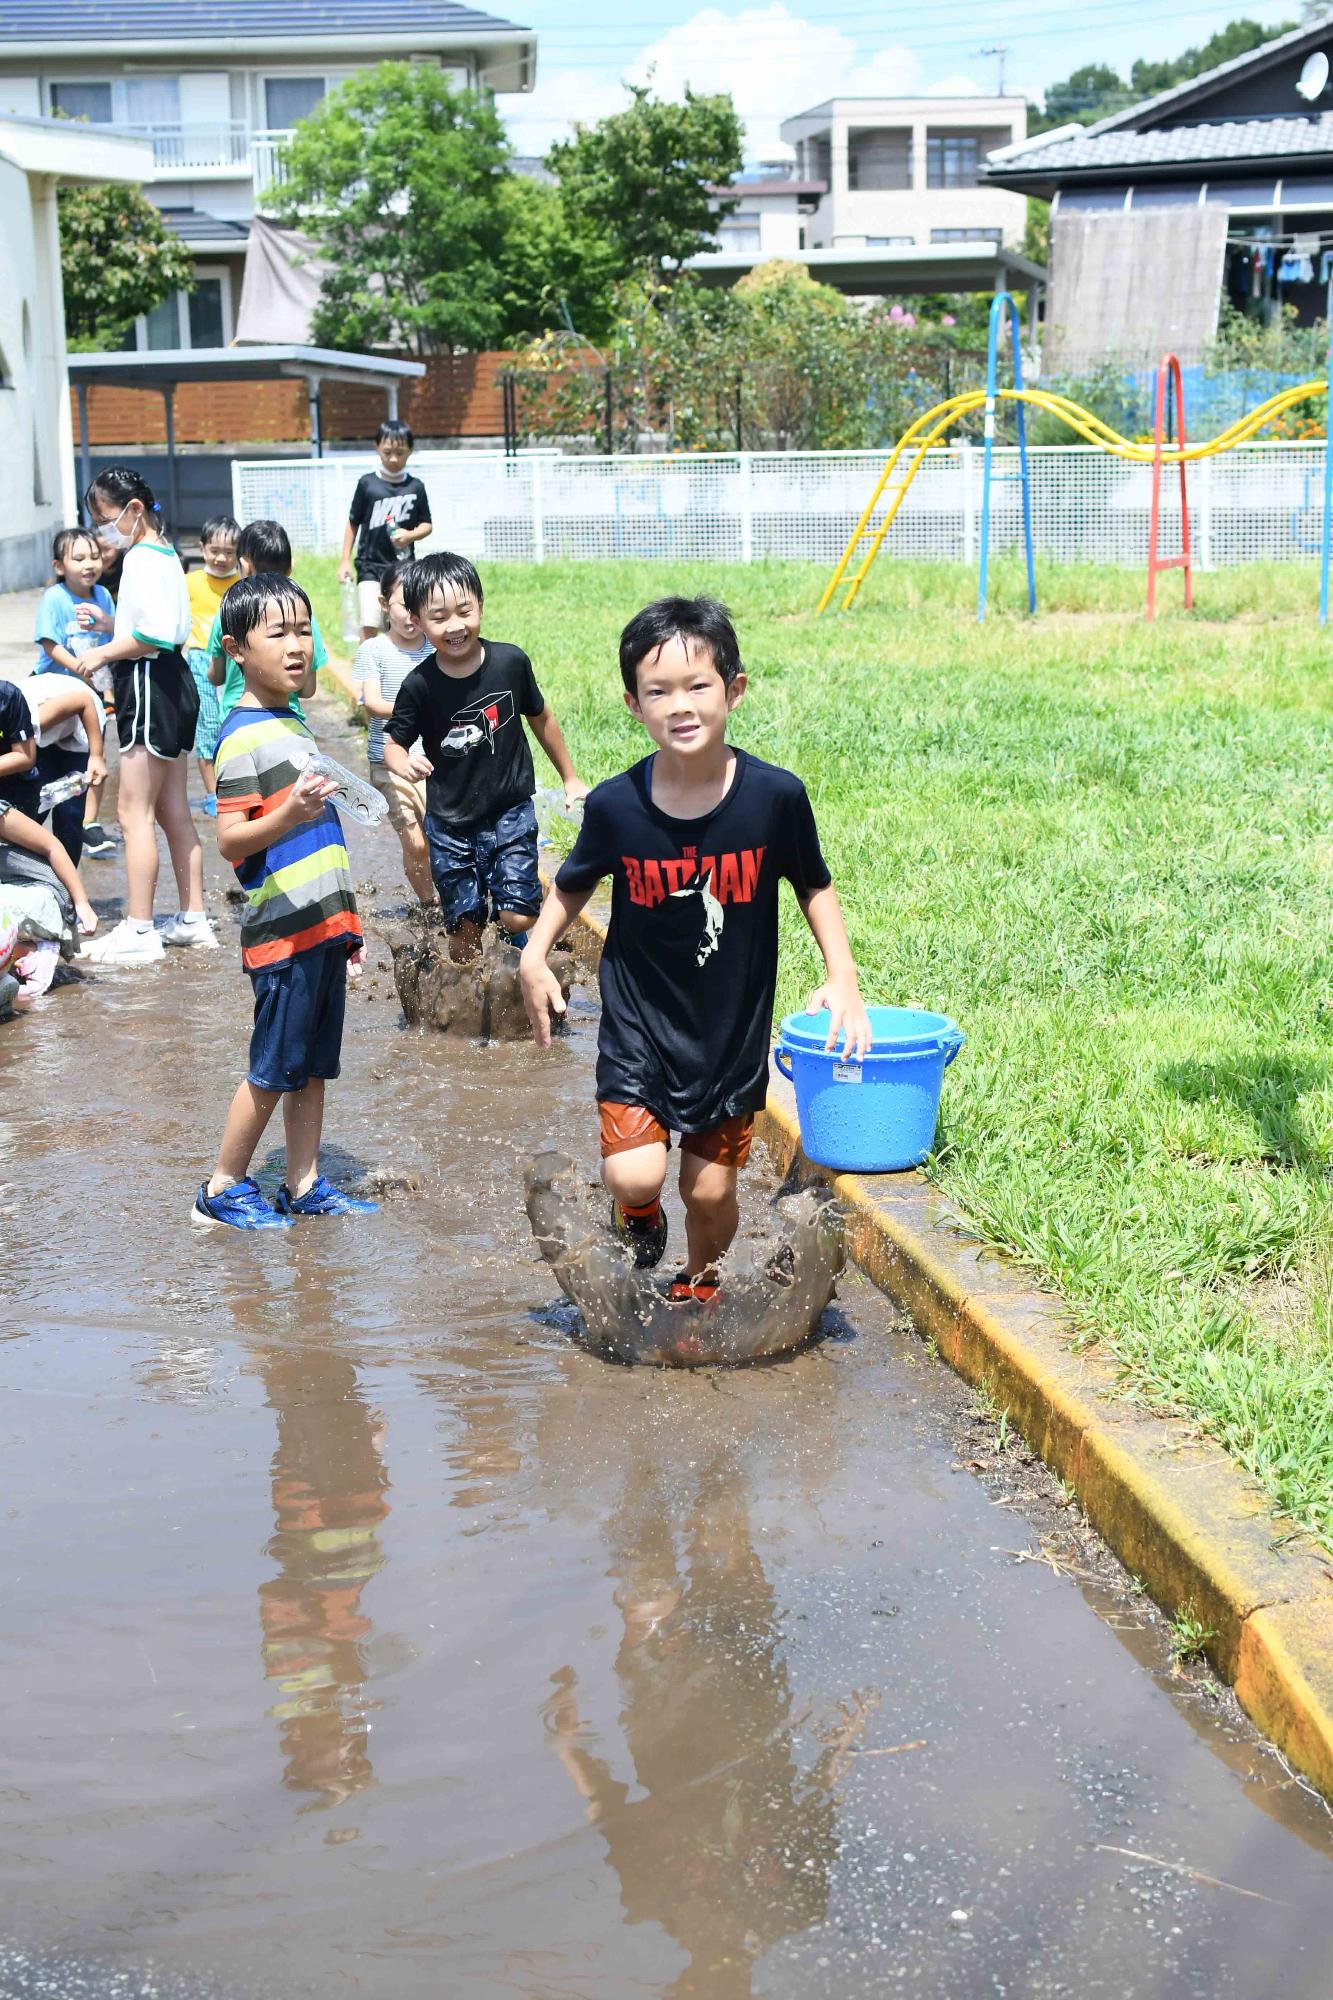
948,1045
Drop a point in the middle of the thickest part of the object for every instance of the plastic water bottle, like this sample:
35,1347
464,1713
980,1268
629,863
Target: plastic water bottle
549,805
350,611
358,798
60,789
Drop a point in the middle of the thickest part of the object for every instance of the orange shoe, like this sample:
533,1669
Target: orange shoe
700,1291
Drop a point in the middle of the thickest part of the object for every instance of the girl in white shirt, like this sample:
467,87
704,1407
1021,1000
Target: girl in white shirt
157,705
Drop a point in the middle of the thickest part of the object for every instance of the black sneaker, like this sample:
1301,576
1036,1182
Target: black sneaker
644,1236
97,841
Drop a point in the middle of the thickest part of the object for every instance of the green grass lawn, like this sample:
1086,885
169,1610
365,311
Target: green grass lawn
1107,851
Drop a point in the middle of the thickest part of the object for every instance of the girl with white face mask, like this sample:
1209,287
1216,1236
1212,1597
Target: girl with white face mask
157,705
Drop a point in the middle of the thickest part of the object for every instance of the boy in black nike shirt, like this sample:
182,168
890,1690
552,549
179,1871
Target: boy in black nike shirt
468,703
388,516
695,839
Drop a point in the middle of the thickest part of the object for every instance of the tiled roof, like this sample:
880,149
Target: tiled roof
91,22
1178,145
195,225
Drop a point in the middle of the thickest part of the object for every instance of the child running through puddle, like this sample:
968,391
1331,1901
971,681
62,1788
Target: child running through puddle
695,838
300,934
468,703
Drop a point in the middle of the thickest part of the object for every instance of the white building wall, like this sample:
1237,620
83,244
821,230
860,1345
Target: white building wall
32,438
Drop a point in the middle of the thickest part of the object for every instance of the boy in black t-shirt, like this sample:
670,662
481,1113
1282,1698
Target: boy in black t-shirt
695,839
390,513
468,704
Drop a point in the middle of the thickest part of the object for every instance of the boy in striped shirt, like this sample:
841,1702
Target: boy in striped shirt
300,935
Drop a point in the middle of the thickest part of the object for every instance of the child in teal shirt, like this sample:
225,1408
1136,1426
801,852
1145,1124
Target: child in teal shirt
262,549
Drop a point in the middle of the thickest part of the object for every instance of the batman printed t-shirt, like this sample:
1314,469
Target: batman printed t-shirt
471,728
690,965
380,505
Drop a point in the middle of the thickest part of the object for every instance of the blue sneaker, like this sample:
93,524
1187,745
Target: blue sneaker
209,807
322,1198
240,1206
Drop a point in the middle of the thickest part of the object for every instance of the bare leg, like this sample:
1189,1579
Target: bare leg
416,863
303,1120
134,809
209,776
250,1112
92,803
465,942
515,921
173,814
708,1190
636,1177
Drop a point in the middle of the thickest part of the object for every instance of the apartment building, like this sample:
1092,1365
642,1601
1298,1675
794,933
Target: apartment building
216,86
902,172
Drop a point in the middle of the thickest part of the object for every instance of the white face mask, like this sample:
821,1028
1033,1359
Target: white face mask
111,534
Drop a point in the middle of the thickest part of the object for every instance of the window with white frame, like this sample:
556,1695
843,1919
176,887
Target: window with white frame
125,100
740,230
288,99
198,318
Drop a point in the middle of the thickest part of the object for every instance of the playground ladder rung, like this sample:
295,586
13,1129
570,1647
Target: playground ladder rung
1171,562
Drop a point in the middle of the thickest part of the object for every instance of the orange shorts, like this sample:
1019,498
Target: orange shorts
625,1126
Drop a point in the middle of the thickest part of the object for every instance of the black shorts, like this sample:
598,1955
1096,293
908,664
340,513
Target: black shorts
157,705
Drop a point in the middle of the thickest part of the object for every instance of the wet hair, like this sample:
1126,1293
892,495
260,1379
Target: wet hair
437,573
699,618
265,546
394,577
394,431
120,484
219,525
244,604
65,540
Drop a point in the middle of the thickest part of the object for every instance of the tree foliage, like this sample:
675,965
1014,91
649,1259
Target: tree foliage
1095,91
555,269
778,362
118,259
640,179
398,176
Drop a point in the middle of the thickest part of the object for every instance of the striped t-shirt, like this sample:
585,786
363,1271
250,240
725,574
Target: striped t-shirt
299,890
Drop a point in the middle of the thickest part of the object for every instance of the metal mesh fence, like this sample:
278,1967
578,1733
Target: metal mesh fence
1262,502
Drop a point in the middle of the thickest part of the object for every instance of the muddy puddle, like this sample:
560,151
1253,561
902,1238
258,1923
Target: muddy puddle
364,1635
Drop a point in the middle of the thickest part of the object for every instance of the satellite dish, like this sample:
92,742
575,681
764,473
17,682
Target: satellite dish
1313,77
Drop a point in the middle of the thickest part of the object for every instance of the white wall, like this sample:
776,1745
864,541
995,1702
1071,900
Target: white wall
20,95
34,417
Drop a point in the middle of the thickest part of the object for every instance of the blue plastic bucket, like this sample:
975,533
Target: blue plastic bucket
878,1115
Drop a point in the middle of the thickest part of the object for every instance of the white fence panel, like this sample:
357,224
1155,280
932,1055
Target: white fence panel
1261,502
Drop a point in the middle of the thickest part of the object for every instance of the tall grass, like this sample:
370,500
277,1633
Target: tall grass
1107,850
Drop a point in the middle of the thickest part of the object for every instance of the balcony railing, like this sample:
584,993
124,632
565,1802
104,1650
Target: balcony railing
216,148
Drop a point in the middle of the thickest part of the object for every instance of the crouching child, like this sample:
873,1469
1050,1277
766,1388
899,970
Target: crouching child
300,934
696,839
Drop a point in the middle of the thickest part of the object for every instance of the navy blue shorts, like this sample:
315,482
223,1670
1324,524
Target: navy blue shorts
485,869
299,1010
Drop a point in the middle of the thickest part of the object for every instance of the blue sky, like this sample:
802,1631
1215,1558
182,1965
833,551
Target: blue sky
778,56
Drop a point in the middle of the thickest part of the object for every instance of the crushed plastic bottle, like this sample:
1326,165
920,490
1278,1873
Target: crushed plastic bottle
350,613
60,789
549,806
354,795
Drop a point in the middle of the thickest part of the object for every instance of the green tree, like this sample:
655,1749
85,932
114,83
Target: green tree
555,270
118,259
1085,95
398,177
1236,39
641,178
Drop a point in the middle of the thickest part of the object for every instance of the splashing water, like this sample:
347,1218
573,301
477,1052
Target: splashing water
771,1298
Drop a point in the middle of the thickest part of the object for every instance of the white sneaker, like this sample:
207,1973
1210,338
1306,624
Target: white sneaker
190,928
125,945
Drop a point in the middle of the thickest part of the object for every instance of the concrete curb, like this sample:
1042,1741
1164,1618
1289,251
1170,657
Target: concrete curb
1177,1511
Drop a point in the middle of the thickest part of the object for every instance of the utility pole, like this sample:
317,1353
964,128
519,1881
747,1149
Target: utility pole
999,50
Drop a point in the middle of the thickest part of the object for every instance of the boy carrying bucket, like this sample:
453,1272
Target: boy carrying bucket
695,839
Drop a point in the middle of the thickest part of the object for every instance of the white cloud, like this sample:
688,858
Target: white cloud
773,62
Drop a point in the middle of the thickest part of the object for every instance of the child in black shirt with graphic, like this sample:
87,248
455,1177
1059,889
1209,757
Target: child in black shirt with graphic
468,703
388,516
695,839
